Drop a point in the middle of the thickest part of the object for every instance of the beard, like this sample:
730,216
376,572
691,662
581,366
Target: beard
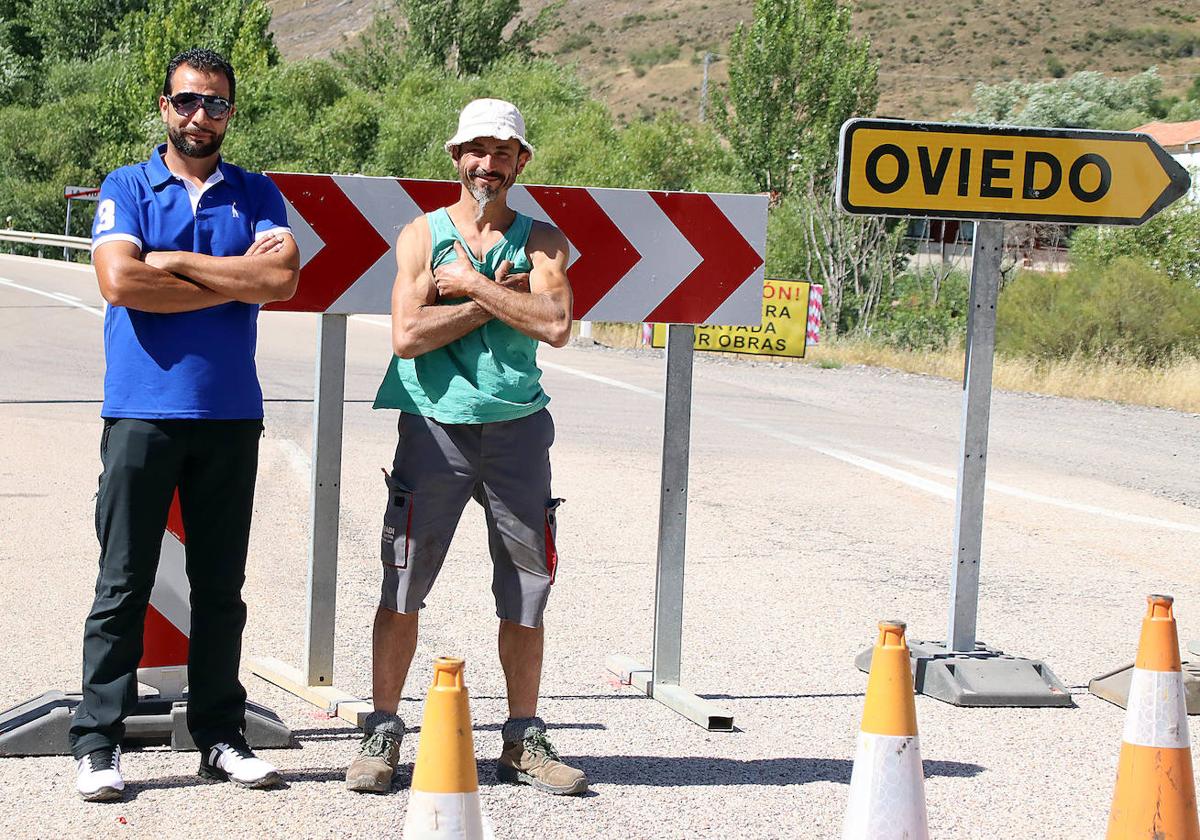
485,194
187,145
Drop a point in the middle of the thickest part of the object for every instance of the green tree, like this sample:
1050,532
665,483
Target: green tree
469,36
72,29
795,75
374,60
1084,100
237,29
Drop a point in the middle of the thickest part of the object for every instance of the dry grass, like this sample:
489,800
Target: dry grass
1175,385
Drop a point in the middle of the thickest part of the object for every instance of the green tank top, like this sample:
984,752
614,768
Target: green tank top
488,375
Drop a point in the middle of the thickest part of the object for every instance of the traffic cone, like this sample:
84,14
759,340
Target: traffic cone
1155,796
443,803
887,786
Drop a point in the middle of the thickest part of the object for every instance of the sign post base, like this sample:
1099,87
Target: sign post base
1114,686
712,717
40,726
984,677
334,701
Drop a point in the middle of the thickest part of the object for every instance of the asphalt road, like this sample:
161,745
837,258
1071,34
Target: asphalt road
820,501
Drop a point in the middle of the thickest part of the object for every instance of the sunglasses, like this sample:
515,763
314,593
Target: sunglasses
187,103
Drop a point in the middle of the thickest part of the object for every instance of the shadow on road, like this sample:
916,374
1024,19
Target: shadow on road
625,770
699,771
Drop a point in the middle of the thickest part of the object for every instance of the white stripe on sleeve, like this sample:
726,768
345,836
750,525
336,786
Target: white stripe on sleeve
115,237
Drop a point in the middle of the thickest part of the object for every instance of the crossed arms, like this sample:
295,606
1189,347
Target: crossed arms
537,304
181,281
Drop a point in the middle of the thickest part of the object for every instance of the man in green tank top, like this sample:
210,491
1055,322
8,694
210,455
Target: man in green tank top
478,285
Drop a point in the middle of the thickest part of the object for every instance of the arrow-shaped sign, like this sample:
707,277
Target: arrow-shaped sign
726,258
943,170
678,257
351,244
608,256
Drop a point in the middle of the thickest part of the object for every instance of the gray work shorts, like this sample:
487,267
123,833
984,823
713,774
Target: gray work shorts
505,466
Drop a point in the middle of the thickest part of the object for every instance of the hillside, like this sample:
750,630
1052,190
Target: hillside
648,56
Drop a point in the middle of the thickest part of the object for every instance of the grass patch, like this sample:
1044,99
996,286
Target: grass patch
1174,384
643,60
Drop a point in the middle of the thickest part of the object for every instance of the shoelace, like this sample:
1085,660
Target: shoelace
240,750
377,745
102,760
539,744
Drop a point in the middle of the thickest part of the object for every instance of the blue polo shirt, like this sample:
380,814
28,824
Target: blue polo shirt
186,365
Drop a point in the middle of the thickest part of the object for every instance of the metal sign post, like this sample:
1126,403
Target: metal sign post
76,194
328,406
993,173
973,440
662,679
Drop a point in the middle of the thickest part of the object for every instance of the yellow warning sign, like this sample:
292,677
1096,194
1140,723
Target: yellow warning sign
782,332
895,168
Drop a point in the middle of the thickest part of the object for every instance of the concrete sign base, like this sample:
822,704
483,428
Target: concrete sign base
1114,686
39,726
985,677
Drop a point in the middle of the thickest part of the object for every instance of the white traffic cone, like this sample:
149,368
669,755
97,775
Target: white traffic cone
887,786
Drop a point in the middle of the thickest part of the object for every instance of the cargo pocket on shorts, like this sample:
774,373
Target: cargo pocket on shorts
397,524
551,531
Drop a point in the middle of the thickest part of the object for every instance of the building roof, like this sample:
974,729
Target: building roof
1173,136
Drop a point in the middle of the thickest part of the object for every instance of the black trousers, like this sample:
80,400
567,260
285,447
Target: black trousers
214,464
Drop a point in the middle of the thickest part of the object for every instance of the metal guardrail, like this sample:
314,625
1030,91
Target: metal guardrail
79,243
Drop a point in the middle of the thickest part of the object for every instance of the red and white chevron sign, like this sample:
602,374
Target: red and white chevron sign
663,257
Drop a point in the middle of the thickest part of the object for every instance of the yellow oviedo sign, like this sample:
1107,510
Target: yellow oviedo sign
943,170
782,332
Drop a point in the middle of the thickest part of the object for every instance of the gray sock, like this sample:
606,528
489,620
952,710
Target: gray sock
518,729
390,725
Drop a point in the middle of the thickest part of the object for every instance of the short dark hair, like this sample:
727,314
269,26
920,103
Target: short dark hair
206,61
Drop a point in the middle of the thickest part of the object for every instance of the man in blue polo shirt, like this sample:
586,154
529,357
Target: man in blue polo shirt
186,248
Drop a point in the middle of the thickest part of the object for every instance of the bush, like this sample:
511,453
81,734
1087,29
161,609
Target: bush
908,317
1170,243
1123,311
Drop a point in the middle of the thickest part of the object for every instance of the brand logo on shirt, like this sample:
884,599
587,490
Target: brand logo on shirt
234,208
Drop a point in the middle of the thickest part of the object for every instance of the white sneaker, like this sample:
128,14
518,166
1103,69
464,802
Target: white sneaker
234,762
98,775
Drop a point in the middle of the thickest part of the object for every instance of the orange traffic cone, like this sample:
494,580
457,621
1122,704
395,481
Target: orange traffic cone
444,801
1155,795
887,786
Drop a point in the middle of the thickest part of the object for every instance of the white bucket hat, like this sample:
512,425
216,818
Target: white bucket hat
490,118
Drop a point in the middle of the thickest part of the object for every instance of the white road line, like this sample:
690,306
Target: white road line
604,380
99,313
1029,495
894,473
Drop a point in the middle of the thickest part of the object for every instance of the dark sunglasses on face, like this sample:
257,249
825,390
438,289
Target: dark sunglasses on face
187,103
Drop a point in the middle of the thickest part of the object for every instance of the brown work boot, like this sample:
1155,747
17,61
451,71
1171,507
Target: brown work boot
530,759
378,755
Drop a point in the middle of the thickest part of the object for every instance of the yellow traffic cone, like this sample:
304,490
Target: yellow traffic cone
1155,796
887,786
443,803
